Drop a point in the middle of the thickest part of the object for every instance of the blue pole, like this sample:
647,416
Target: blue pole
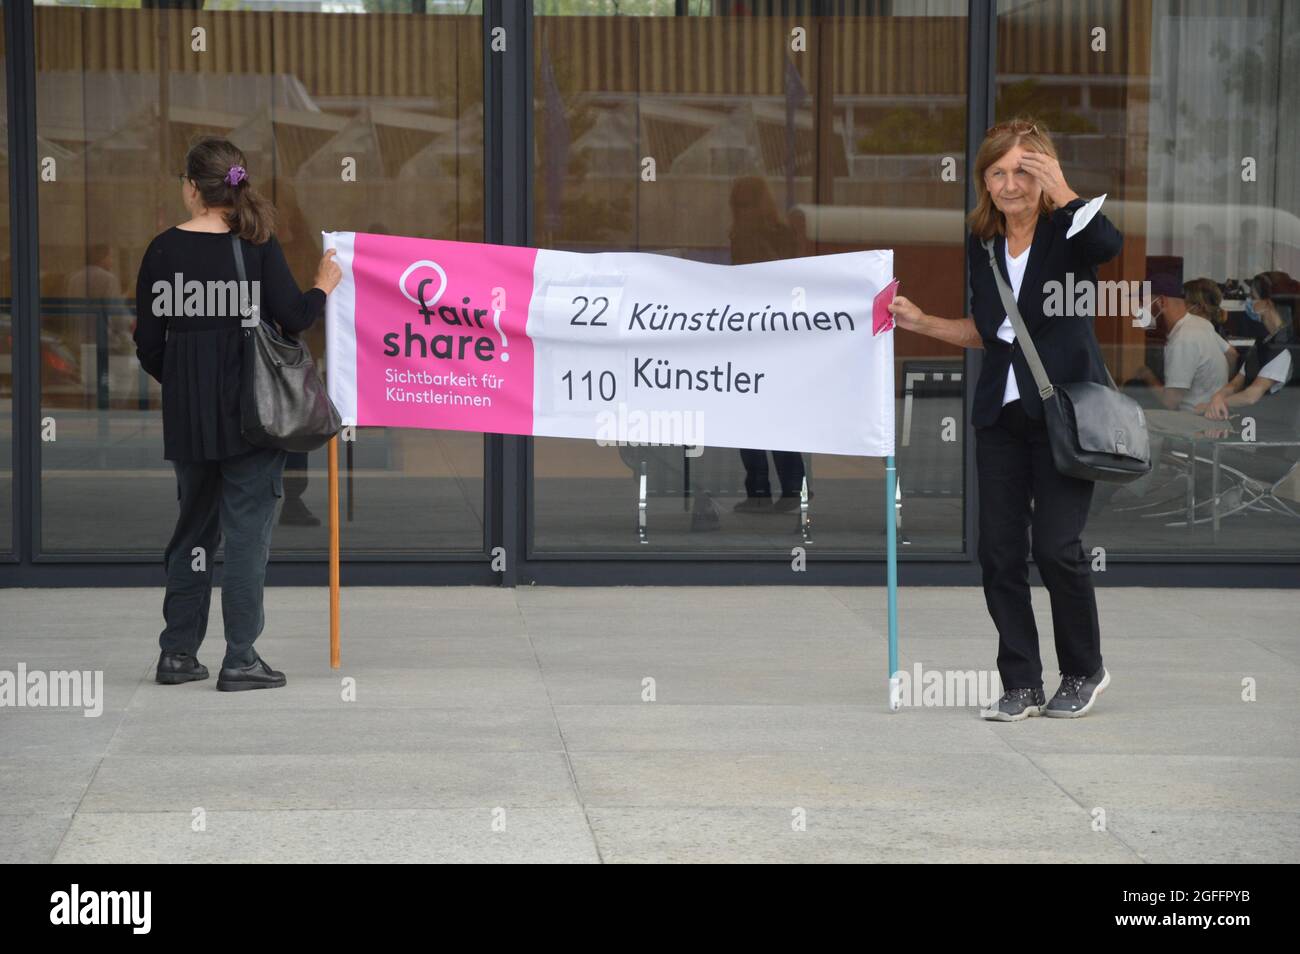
891,569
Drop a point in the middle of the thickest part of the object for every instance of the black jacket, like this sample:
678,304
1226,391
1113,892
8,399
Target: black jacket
1067,344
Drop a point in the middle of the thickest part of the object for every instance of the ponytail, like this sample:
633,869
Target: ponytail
253,216
217,169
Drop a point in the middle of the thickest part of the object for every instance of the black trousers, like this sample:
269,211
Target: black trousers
1023,496
789,471
237,499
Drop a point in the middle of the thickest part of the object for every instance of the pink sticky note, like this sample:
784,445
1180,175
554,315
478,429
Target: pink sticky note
881,319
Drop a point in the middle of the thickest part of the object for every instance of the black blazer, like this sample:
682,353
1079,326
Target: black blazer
1067,344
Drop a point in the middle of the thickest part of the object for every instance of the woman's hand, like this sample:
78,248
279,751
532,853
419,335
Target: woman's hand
328,273
906,314
1049,175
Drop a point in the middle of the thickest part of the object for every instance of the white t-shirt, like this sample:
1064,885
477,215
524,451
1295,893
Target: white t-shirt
1016,272
1194,360
1278,371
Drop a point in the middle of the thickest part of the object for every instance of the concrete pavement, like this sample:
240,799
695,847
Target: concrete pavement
515,725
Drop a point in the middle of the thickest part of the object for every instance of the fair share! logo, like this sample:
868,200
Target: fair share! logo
447,345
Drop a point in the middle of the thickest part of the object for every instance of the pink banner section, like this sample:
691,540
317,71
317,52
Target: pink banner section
440,334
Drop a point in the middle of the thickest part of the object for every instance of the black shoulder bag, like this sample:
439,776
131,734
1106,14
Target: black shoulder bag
1096,432
283,402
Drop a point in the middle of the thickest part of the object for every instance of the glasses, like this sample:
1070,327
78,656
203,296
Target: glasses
182,177
1018,126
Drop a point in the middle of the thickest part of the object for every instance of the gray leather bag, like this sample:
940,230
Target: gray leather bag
1096,432
283,402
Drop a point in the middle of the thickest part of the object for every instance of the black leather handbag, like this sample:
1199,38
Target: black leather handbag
1096,432
283,402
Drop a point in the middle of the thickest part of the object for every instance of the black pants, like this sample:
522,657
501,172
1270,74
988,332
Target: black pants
1020,490
236,499
789,470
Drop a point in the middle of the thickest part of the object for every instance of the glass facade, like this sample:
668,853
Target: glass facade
7,371
345,119
1181,113
740,139
724,131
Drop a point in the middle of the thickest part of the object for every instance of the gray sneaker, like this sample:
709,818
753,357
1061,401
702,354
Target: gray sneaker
1016,704
1077,694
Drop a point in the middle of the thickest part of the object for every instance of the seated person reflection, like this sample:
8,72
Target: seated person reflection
1204,298
1195,361
1269,364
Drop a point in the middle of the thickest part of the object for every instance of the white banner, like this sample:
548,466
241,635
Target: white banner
619,346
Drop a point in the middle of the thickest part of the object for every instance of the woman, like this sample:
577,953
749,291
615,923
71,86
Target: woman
1204,298
1268,364
1027,208
226,487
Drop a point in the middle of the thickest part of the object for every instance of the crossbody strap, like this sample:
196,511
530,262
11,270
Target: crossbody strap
1045,387
240,272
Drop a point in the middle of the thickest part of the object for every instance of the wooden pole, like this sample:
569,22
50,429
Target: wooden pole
334,550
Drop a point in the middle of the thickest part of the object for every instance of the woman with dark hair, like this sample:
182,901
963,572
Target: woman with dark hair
226,487
1268,365
1041,234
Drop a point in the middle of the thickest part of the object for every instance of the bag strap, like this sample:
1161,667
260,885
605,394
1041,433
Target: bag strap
1045,387
240,271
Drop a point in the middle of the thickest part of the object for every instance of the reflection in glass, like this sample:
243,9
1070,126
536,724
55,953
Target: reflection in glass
366,123
759,154
1182,122
7,363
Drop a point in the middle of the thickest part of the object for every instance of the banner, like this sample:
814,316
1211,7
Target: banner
615,346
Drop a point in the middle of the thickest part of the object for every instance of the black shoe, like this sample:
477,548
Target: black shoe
174,668
1077,694
1016,704
256,676
786,504
753,505
294,513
